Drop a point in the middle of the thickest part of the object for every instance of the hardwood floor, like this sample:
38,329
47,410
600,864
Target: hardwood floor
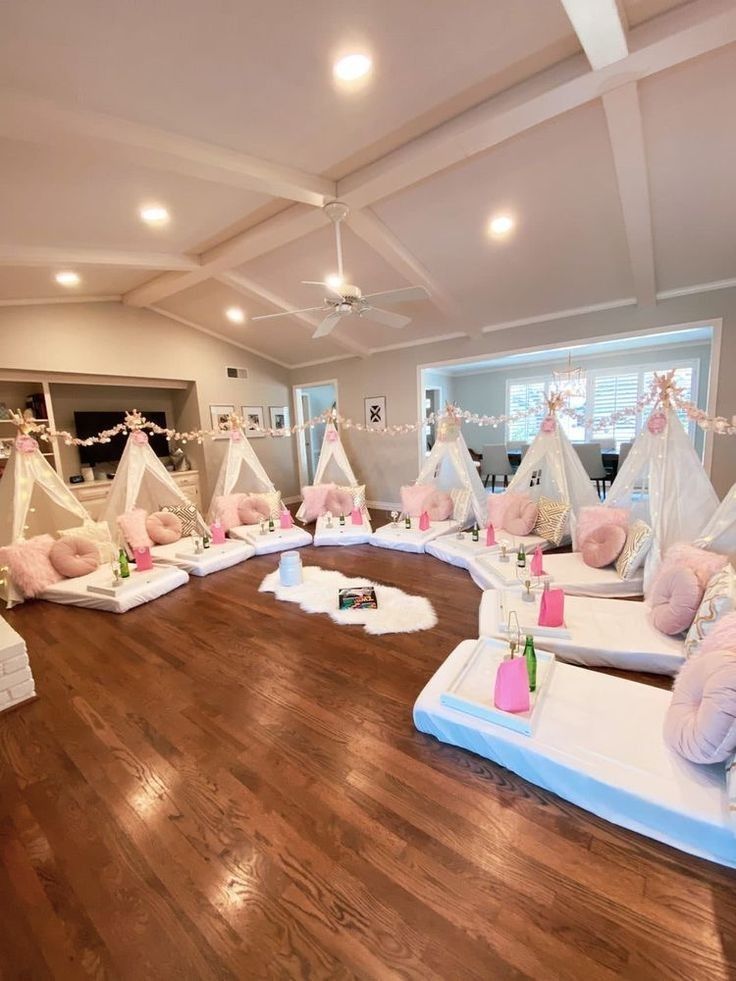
218,785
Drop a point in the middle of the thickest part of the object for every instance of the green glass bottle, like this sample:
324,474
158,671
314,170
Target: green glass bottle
123,563
476,533
530,656
342,520
206,540
271,525
407,521
521,558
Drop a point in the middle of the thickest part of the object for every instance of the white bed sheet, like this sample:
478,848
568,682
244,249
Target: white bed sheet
598,743
214,559
347,534
602,633
461,551
278,540
141,588
411,539
566,570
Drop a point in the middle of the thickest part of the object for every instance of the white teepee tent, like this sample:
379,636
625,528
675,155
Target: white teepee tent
333,465
719,535
450,466
34,500
664,483
241,471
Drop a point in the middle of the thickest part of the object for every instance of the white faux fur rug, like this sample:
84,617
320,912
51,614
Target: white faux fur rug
397,613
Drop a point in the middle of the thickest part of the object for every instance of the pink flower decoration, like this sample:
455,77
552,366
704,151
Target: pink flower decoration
657,423
26,444
549,424
139,438
235,435
331,435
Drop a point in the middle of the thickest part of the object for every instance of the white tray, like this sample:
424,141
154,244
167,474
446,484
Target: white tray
132,580
472,689
211,550
527,613
506,572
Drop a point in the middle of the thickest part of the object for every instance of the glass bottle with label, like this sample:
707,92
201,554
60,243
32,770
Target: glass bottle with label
530,656
476,532
123,563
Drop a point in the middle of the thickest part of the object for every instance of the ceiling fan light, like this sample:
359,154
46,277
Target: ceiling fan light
352,67
334,281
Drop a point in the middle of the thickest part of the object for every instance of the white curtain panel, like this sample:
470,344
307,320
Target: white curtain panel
241,471
450,466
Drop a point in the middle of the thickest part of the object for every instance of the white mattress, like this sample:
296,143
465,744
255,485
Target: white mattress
461,551
602,633
411,539
278,540
213,559
347,534
567,571
142,587
598,743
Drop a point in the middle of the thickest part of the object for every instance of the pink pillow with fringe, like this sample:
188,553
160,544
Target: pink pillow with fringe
253,509
438,505
722,637
591,519
413,497
225,510
72,557
164,527
29,565
701,721
339,501
704,564
520,515
602,545
674,600
133,526
314,497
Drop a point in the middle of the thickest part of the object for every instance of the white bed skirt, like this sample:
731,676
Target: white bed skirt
213,559
278,540
462,551
602,633
566,570
347,534
598,743
142,587
403,539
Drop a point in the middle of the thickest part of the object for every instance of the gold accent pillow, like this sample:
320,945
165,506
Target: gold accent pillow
188,515
551,519
273,500
357,493
638,542
460,504
718,600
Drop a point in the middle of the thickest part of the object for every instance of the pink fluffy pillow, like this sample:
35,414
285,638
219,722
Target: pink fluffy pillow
133,526
225,510
253,509
315,497
722,637
602,545
438,505
674,600
704,564
413,498
497,504
339,501
72,557
29,565
520,515
701,721
164,527
589,520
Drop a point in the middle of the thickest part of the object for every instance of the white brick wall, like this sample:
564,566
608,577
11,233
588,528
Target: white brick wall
16,680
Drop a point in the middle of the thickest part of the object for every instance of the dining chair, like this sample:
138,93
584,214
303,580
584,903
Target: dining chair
496,464
591,458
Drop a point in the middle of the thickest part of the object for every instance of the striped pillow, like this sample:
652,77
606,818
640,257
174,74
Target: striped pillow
637,544
551,519
719,599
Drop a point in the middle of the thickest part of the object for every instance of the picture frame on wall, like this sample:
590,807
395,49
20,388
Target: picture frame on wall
375,412
253,418
279,416
219,414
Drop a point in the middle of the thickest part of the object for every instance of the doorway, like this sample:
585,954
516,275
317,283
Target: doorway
311,401
432,404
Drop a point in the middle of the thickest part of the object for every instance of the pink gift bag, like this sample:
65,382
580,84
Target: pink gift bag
142,559
356,516
552,608
424,521
535,567
218,533
511,693
285,519
490,535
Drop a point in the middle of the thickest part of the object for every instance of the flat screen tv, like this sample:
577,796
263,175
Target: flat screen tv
91,423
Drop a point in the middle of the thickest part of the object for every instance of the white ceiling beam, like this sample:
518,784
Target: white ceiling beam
39,301
32,255
625,130
598,26
250,289
26,117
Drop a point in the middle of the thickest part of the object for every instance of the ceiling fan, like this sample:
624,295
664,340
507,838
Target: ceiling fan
345,300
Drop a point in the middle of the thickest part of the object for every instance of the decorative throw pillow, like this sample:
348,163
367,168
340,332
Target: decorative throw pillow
413,497
252,510
551,519
591,519
637,544
439,506
164,527
29,565
602,546
498,505
273,500
357,495
133,526
520,515
461,507
718,600
314,497
722,637
98,532
339,501
674,600
72,557
703,563
701,721
188,515
225,510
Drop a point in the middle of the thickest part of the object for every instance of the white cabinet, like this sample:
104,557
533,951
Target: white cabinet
94,496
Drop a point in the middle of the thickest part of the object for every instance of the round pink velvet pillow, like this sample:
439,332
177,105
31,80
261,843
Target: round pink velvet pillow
72,557
253,510
603,546
164,527
520,515
674,599
438,505
701,721
339,501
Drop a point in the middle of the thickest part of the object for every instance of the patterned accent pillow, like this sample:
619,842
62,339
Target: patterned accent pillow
731,789
97,532
357,493
273,500
461,506
551,519
638,542
719,599
187,514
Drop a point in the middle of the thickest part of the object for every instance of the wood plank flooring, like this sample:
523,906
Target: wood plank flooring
218,785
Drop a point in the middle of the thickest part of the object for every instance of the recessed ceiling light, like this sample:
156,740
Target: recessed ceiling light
352,67
236,315
67,278
500,225
154,214
334,281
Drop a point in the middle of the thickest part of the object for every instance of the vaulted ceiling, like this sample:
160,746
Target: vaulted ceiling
603,128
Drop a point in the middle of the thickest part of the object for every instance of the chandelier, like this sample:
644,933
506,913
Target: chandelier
569,380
